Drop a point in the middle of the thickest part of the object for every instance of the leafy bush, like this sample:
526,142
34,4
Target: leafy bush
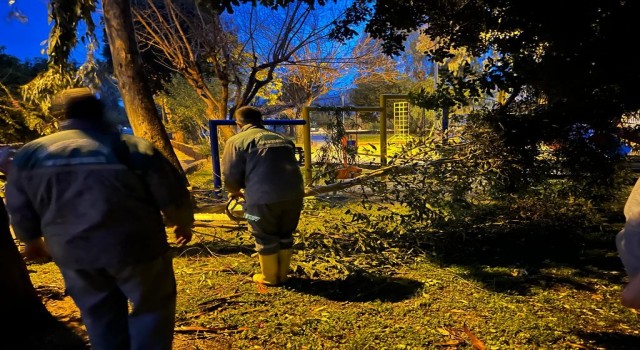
454,201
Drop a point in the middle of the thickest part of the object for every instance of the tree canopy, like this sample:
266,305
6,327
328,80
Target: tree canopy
566,68
19,121
565,71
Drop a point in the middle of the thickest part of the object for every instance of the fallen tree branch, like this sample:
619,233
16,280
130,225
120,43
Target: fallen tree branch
397,169
338,186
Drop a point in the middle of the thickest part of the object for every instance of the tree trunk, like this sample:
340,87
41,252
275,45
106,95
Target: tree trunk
225,97
132,81
215,109
224,132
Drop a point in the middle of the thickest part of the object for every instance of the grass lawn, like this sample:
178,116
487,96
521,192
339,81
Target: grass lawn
490,299
423,305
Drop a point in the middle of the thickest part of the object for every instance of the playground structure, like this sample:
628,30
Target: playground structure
306,123
401,122
381,109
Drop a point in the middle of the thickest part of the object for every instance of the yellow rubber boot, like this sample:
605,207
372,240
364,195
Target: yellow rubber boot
269,269
284,260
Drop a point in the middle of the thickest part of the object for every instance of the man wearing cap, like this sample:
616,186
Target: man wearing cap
263,164
100,200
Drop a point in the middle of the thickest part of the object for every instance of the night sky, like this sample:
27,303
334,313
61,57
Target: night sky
23,40
26,37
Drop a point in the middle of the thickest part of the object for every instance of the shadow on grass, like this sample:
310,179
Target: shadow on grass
610,340
358,288
518,260
520,282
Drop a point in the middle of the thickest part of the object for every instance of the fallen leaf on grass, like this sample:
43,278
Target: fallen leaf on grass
319,309
475,341
451,342
443,331
577,346
262,289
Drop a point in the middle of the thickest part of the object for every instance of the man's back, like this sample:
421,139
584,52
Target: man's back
264,163
89,198
97,198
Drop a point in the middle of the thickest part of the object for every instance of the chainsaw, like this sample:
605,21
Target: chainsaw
231,209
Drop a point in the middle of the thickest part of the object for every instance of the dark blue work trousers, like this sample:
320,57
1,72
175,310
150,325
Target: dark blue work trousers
272,225
132,307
